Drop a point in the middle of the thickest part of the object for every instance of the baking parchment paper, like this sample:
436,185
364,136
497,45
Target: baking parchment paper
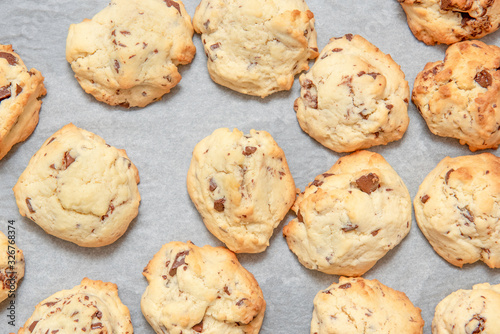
159,139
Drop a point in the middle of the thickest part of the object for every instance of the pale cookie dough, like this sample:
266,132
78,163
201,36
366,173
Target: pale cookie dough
91,307
451,21
242,187
469,311
78,188
256,47
457,208
460,96
128,53
201,290
350,216
354,96
11,265
20,93
358,305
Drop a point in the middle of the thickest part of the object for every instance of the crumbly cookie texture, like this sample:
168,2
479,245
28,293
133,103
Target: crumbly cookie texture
91,307
358,305
451,21
457,208
460,96
242,187
256,47
78,188
354,96
201,290
469,311
128,53
20,93
350,216
11,266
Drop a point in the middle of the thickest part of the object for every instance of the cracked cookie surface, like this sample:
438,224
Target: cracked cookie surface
11,266
92,307
256,47
241,186
469,311
460,96
78,188
20,93
350,216
201,290
354,96
358,305
451,21
457,208
128,53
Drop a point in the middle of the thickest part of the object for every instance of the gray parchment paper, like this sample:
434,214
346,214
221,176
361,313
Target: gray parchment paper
159,139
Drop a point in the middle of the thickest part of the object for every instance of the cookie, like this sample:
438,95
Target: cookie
350,217
358,305
20,93
201,290
469,311
256,47
354,96
11,266
451,21
128,53
460,96
92,306
457,208
241,186
78,188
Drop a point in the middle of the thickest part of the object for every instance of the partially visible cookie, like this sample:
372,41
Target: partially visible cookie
256,47
78,188
358,305
242,187
460,96
128,53
201,290
354,96
20,93
11,266
91,307
451,21
350,216
457,208
469,311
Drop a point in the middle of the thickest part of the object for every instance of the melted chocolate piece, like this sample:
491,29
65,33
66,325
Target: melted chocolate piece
97,314
19,89
117,66
214,46
97,325
5,92
483,78
249,150
179,261
28,203
32,326
447,176
241,301
368,183
198,327
425,198
11,59
349,227
374,233
349,37
68,160
345,286
171,3
226,290
219,205
212,185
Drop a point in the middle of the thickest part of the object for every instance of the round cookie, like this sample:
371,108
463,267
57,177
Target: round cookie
451,21
469,311
457,208
256,47
358,305
460,96
354,96
242,187
128,53
20,93
201,290
92,306
350,216
11,266
78,188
